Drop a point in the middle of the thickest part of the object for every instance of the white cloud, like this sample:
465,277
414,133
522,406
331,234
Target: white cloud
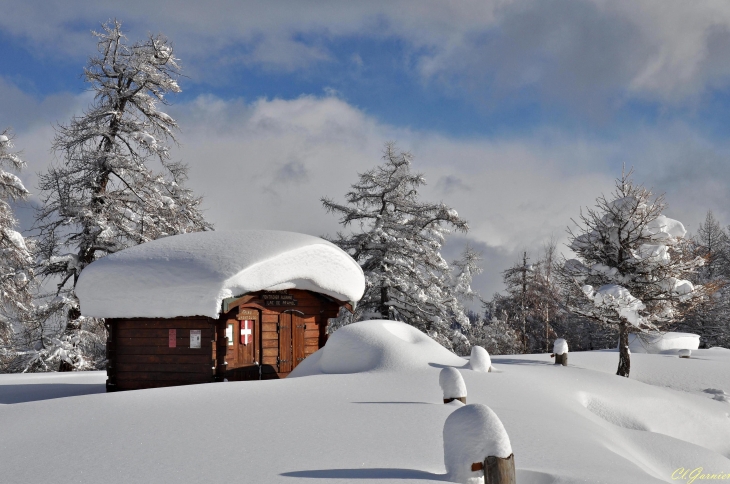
267,163
593,53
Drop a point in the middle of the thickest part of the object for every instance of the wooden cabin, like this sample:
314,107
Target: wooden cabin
216,306
258,336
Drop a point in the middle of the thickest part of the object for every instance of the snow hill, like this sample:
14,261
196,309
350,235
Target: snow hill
368,407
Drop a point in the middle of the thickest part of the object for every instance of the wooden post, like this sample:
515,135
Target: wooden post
220,349
461,399
500,471
561,359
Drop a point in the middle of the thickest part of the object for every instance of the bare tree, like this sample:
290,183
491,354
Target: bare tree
104,196
631,265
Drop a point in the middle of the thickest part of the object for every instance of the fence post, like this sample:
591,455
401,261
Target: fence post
475,445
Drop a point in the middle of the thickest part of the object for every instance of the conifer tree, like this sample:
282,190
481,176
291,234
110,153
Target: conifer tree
16,261
104,195
631,265
397,242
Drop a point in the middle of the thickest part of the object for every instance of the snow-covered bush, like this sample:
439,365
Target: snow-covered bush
632,265
480,360
452,383
471,434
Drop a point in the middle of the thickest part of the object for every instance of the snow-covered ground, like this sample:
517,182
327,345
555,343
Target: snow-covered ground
368,407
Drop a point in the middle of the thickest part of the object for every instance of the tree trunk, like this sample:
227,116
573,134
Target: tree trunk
384,308
72,325
624,359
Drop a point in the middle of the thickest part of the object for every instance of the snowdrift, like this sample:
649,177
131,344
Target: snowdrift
377,345
191,274
655,343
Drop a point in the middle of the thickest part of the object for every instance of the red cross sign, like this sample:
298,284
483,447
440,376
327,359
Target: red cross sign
246,331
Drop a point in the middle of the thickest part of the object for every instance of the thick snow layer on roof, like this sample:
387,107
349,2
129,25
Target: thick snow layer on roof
191,274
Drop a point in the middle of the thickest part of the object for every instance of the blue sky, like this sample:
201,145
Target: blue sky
518,112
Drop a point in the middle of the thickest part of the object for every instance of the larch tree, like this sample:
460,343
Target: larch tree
397,242
711,318
16,261
631,266
116,185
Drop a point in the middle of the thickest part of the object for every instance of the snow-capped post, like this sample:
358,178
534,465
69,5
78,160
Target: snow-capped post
560,352
480,360
452,384
685,353
475,445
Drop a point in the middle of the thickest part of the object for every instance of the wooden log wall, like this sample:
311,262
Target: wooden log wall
141,353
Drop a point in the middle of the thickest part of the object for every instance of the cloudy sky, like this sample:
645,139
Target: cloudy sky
517,112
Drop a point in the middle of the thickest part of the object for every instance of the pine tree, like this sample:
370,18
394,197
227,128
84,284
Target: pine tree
711,243
631,265
16,263
397,243
104,196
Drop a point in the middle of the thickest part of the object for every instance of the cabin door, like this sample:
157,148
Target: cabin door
291,340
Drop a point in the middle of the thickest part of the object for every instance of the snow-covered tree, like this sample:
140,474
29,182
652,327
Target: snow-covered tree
711,318
397,242
16,261
631,266
105,195
711,243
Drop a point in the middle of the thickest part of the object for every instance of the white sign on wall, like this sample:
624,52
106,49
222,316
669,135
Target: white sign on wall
195,338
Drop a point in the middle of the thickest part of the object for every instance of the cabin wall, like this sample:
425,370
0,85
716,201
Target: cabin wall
280,329
286,331
142,353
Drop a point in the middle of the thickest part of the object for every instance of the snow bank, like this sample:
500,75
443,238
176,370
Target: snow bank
659,343
471,434
560,346
376,346
191,274
480,360
452,383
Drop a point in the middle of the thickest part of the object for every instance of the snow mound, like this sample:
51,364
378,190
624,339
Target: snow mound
655,343
191,274
471,434
452,383
377,345
560,346
480,360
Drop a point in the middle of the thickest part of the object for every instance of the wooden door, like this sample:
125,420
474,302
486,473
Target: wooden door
285,343
298,327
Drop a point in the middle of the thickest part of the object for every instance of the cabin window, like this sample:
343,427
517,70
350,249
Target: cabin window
229,334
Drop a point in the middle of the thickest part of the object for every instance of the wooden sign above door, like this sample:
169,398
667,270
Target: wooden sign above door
278,299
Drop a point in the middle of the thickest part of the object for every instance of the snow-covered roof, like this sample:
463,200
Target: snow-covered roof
191,274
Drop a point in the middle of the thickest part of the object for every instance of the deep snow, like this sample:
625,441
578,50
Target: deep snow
380,420
190,274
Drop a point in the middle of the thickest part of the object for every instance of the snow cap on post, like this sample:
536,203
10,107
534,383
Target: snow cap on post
480,360
452,384
471,434
560,346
